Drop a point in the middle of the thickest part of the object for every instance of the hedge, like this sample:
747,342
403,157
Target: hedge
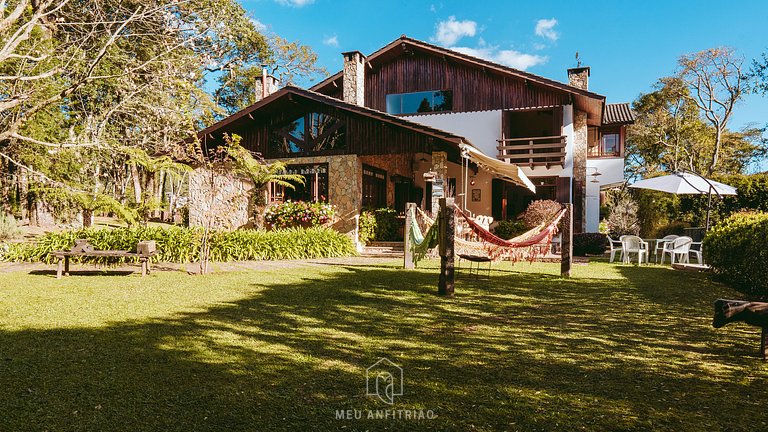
589,243
182,245
737,251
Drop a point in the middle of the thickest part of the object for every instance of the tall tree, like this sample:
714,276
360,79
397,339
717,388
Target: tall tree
716,82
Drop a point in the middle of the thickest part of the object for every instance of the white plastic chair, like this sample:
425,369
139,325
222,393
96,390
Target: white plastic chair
698,253
632,244
660,245
615,246
678,249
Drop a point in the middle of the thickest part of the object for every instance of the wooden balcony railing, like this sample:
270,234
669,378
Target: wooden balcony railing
533,151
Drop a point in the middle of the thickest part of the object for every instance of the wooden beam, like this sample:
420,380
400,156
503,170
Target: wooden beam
447,227
410,211
566,244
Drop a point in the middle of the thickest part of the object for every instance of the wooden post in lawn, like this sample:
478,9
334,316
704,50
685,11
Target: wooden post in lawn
410,213
566,245
447,232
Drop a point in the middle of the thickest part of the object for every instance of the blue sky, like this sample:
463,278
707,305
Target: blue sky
628,45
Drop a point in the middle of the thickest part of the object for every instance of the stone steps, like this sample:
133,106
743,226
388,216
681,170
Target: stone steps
384,249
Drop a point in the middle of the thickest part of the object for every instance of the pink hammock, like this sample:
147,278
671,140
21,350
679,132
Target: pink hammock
529,248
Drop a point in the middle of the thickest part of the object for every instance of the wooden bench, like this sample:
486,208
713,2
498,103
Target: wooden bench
144,251
752,313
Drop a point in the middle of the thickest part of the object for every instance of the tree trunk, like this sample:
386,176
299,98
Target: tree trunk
136,183
716,151
87,218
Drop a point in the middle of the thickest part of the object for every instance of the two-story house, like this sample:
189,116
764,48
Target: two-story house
390,127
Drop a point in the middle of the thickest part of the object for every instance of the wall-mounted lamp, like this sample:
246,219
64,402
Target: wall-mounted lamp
594,175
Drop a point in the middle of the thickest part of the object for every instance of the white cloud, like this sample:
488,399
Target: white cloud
260,26
546,29
511,58
449,32
295,3
331,41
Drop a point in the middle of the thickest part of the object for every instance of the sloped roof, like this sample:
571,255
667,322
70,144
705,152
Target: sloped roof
618,113
383,52
293,91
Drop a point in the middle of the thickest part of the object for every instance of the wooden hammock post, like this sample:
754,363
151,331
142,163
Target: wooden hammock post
447,233
566,245
410,213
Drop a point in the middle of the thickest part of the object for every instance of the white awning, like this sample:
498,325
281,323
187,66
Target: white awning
504,170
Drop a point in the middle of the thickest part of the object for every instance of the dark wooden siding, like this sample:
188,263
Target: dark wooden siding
474,89
363,135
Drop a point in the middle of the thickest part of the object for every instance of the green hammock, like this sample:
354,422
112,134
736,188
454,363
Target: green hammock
421,243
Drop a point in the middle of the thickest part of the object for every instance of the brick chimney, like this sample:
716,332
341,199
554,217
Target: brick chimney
579,77
354,78
266,84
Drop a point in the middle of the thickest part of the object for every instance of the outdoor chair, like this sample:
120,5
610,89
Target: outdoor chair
615,246
678,250
631,244
660,245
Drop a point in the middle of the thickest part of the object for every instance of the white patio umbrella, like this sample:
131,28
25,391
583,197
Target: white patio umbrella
686,183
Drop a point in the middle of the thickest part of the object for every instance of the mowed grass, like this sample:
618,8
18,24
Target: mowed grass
614,348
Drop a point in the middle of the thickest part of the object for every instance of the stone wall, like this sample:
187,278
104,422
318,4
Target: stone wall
580,168
229,209
345,189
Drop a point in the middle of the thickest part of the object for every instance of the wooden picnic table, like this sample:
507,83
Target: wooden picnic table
144,251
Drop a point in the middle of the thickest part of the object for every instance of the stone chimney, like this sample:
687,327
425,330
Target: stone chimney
266,84
579,77
354,78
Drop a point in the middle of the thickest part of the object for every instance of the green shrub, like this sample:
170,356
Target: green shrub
182,245
737,251
676,228
9,230
299,214
589,243
366,230
540,211
508,229
383,223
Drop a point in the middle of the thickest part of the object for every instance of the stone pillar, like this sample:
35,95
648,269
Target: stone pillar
220,198
353,84
345,177
579,170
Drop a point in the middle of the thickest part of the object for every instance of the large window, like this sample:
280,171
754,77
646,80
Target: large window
312,132
420,102
315,187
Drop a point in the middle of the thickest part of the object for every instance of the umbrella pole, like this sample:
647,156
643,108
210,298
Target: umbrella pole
709,208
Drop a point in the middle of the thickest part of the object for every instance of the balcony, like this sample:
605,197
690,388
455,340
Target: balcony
533,151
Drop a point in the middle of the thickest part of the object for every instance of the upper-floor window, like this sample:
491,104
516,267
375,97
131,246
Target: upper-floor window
420,102
604,143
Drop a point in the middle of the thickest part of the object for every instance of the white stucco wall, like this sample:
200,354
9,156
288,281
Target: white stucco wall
481,128
611,171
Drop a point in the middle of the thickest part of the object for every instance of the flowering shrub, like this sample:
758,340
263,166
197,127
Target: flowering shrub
299,214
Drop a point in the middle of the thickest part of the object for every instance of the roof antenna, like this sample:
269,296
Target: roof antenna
578,60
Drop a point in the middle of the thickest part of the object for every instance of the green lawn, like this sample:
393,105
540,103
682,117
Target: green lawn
615,348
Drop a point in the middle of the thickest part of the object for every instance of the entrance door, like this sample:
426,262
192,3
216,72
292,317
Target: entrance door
374,187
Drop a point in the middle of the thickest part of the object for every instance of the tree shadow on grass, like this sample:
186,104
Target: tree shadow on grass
520,352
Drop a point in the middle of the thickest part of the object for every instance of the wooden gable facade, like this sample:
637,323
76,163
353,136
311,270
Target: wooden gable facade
298,123
407,66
